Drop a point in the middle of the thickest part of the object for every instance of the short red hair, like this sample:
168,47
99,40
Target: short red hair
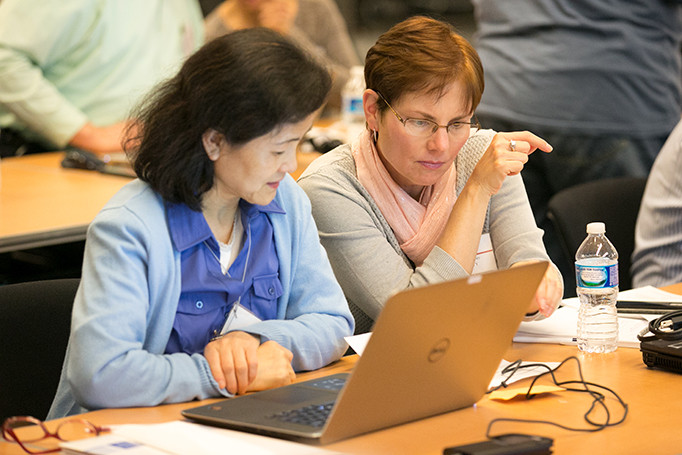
423,54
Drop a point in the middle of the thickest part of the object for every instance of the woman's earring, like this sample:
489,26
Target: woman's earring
376,135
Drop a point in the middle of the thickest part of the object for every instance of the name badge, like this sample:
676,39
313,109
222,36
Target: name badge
485,256
239,319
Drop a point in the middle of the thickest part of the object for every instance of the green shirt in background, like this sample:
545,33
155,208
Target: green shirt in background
65,63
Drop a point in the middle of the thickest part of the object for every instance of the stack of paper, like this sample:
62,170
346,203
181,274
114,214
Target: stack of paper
561,327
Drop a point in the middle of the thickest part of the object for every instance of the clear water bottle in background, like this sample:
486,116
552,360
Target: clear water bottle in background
353,115
596,269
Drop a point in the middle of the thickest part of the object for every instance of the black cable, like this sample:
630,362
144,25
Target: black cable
667,327
510,369
599,399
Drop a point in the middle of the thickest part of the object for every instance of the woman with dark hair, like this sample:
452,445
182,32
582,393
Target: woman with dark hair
423,195
205,277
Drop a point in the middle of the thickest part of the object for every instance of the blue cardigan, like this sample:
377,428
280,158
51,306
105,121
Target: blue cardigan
126,303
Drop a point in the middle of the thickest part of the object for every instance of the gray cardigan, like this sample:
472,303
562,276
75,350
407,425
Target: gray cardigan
365,253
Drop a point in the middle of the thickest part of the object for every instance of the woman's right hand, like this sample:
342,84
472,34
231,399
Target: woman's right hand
506,155
275,367
239,363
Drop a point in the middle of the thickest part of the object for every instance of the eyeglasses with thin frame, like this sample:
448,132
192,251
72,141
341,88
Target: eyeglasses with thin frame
34,437
421,127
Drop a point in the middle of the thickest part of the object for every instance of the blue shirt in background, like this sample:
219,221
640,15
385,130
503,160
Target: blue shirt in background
587,67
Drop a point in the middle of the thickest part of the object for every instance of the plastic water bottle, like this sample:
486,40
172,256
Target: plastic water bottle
353,115
596,269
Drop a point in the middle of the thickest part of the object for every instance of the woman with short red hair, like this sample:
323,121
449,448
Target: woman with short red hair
423,195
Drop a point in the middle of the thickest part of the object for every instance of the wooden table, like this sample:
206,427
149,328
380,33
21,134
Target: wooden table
43,204
652,425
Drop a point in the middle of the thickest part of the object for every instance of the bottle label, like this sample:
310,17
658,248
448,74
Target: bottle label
596,276
354,106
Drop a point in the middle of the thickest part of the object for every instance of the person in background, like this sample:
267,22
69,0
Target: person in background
315,25
657,259
423,196
205,276
208,5
70,71
598,80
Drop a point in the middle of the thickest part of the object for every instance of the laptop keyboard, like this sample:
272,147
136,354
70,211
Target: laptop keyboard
328,383
314,415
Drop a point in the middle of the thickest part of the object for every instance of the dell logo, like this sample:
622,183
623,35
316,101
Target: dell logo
439,349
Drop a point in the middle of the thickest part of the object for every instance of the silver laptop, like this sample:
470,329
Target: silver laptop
433,349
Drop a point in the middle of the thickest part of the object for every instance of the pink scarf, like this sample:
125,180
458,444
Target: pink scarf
417,224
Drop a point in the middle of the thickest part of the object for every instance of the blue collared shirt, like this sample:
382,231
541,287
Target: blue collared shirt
208,295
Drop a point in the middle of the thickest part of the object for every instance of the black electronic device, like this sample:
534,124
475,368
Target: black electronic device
505,444
82,159
633,306
663,348
75,158
664,354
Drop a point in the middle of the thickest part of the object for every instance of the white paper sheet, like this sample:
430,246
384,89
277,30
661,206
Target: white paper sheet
649,294
182,438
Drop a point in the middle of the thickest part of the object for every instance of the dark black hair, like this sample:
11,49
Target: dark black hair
243,85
